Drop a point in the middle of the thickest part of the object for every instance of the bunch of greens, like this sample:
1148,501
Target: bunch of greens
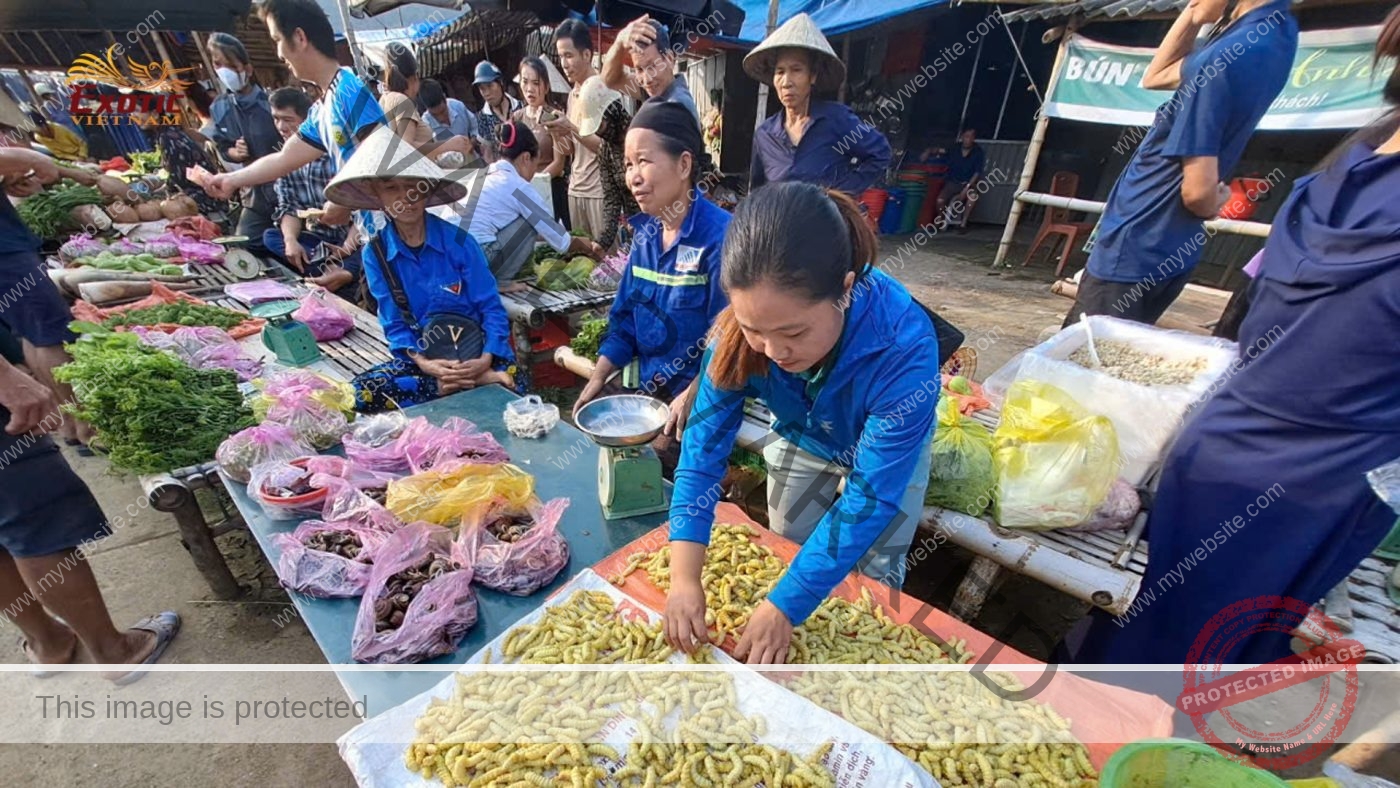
590,337
135,263
144,163
48,211
556,274
152,412
181,313
749,461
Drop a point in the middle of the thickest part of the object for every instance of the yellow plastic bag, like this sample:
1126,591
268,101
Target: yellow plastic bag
1055,461
443,494
334,394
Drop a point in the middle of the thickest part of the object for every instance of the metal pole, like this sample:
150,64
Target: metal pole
344,9
967,99
763,87
1010,80
1042,122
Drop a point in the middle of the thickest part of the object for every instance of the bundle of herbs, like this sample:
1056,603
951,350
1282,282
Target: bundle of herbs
47,212
152,412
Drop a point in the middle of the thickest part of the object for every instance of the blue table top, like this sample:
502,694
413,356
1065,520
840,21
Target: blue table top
564,463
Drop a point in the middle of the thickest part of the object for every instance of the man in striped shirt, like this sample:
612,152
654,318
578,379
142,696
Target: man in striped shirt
328,256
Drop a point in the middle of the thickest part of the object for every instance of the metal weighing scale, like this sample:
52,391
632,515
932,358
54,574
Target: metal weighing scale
629,472
239,261
291,340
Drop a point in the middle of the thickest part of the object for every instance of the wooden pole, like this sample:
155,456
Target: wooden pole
1032,155
763,86
202,45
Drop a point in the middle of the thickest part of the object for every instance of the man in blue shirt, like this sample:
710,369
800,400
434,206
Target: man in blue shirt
347,113
1150,236
965,167
447,117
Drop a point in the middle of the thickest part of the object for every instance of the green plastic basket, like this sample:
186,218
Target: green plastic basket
1178,763
1390,546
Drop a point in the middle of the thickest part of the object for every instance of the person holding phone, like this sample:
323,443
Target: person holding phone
1146,245
537,114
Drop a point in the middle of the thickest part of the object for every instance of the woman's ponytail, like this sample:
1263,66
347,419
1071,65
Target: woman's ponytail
864,245
1375,135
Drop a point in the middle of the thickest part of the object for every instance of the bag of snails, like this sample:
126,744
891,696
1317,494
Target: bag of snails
328,559
419,601
515,549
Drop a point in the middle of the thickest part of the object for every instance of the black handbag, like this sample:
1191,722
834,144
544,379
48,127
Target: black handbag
949,337
445,337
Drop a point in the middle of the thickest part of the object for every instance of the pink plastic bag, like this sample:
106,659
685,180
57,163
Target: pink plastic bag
317,573
327,467
203,347
326,320
245,450
521,567
1117,511
260,291
438,615
457,438
284,491
346,503
313,422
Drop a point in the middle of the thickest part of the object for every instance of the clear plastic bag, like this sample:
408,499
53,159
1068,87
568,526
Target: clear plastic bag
1385,480
308,570
1055,461
1146,418
1117,510
525,565
444,494
530,417
962,474
247,449
326,320
378,430
310,419
260,291
203,347
284,491
439,611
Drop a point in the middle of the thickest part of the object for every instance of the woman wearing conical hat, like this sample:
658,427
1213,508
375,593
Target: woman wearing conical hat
811,140
438,304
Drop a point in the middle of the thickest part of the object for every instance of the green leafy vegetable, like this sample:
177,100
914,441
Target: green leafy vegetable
179,313
590,337
962,473
555,274
145,162
151,411
135,263
47,212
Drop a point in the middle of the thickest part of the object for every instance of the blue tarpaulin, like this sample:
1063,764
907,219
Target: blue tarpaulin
834,17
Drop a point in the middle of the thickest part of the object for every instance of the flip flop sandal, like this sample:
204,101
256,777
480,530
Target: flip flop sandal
38,669
165,626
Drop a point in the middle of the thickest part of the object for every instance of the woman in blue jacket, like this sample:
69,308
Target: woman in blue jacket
435,294
670,292
847,361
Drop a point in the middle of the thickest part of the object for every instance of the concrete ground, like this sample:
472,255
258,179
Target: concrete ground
143,568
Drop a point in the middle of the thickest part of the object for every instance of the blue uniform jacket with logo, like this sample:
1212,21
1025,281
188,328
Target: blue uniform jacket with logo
873,415
448,275
668,299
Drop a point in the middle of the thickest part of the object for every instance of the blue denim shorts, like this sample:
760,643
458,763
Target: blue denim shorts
45,508
30,305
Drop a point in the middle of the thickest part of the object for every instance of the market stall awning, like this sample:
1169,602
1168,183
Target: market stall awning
479,31
1090,9
120,15
832,16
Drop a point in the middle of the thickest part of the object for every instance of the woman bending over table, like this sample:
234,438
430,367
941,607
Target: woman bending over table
847,361
438,305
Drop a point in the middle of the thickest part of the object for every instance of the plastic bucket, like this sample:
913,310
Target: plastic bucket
1170,763
874,201
913,203
893,213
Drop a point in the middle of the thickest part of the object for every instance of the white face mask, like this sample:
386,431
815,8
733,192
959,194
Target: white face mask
232,80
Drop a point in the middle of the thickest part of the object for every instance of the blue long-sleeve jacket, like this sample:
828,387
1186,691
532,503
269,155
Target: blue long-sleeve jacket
872,415
838,150
668,298
448,275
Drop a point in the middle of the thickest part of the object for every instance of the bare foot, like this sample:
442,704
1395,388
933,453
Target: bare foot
61,653
137,645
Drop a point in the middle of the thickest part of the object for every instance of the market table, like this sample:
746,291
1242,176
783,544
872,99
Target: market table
590,537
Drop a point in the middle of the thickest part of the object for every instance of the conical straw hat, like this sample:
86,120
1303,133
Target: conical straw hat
384,155
800,32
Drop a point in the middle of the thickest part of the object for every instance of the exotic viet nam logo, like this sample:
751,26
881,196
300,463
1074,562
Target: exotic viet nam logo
146,94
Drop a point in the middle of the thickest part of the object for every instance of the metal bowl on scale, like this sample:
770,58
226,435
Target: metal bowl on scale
622,420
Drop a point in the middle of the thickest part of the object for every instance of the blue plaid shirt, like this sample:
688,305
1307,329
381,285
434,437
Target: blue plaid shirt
304,188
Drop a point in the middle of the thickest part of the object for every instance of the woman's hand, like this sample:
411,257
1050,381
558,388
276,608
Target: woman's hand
477,367
23,187
562,126
334,216
294,252
685,616
680,410
766,637
590,392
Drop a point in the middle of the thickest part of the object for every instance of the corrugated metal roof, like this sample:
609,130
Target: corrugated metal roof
477,31
1092,9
